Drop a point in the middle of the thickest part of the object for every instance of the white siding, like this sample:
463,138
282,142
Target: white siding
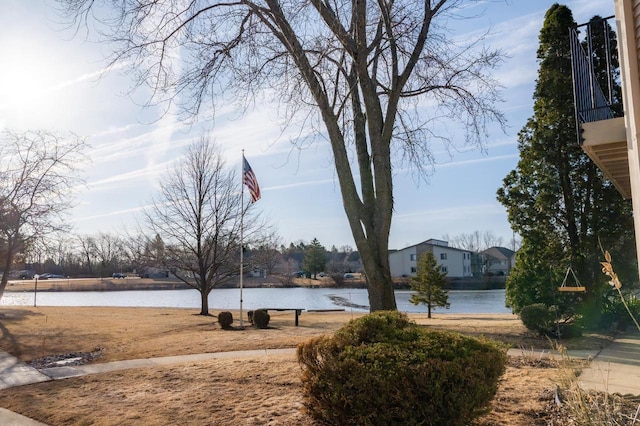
400,262
457,262
628,21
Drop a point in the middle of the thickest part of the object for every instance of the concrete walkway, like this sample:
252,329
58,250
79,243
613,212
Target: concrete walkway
615,369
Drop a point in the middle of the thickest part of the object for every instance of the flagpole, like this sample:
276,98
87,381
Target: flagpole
241,235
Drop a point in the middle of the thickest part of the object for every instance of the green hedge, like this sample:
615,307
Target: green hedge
538,317
382,369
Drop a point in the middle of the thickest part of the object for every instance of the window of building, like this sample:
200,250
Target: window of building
443,269
412,257
443,256
413,270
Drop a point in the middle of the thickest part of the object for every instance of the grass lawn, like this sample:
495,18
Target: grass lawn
236,391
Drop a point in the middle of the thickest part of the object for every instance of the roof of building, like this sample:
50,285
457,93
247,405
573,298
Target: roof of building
499,252
433,243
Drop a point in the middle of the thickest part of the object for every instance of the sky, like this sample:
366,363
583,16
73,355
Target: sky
51,80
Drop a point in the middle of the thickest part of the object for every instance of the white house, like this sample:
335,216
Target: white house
456,263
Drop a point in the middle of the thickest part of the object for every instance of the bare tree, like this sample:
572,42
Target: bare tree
489,239
37,174
475,241
374,78
139,251
108,252
86,248
266,255
198,214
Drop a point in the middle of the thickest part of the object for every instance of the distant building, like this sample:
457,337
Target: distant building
497,261
454,262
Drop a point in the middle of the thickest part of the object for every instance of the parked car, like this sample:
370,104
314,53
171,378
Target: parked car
49,275
22,275
118,275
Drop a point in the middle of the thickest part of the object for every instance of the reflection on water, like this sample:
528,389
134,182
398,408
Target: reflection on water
356,300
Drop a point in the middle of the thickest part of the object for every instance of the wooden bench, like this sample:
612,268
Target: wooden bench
297,310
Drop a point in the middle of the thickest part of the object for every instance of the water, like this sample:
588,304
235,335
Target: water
356,300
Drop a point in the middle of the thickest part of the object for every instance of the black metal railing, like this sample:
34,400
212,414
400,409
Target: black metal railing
593,102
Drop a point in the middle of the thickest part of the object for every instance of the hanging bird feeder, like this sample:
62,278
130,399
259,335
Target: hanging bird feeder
576,287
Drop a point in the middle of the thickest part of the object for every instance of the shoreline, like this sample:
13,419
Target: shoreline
137,284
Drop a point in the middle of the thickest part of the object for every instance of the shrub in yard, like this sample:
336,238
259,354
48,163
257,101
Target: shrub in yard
225,319
261,318
615,315
569,331
382,369
538,317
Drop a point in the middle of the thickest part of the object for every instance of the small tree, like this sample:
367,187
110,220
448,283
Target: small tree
428,284
198,215
315,258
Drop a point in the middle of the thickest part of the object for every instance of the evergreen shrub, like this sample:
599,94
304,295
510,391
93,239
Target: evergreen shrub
382,369
538,317
261,318
614,314
225,319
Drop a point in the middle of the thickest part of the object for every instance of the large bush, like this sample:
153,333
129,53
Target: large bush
538,317
382,369
260,318
225,319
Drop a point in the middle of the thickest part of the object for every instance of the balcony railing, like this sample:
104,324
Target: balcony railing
593,102
598,110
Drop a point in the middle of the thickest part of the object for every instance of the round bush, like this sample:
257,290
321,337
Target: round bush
261,318
382,369
225,319
538,317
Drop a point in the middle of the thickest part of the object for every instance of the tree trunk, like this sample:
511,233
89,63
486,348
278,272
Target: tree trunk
369,213
204,302
379,282
3,281
8,261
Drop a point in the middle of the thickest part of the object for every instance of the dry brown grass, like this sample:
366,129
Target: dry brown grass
242,391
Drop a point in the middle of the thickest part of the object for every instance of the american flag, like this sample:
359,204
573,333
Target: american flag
249,179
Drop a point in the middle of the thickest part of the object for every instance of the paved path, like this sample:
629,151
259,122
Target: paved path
615,369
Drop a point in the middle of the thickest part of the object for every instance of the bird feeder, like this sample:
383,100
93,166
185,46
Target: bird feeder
575,288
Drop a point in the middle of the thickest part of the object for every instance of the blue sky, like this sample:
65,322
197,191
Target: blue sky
51,80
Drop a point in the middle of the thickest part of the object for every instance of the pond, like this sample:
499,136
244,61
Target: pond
356,300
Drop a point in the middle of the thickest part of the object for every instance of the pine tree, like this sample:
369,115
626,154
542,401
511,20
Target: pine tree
556,198
429,284
315,258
